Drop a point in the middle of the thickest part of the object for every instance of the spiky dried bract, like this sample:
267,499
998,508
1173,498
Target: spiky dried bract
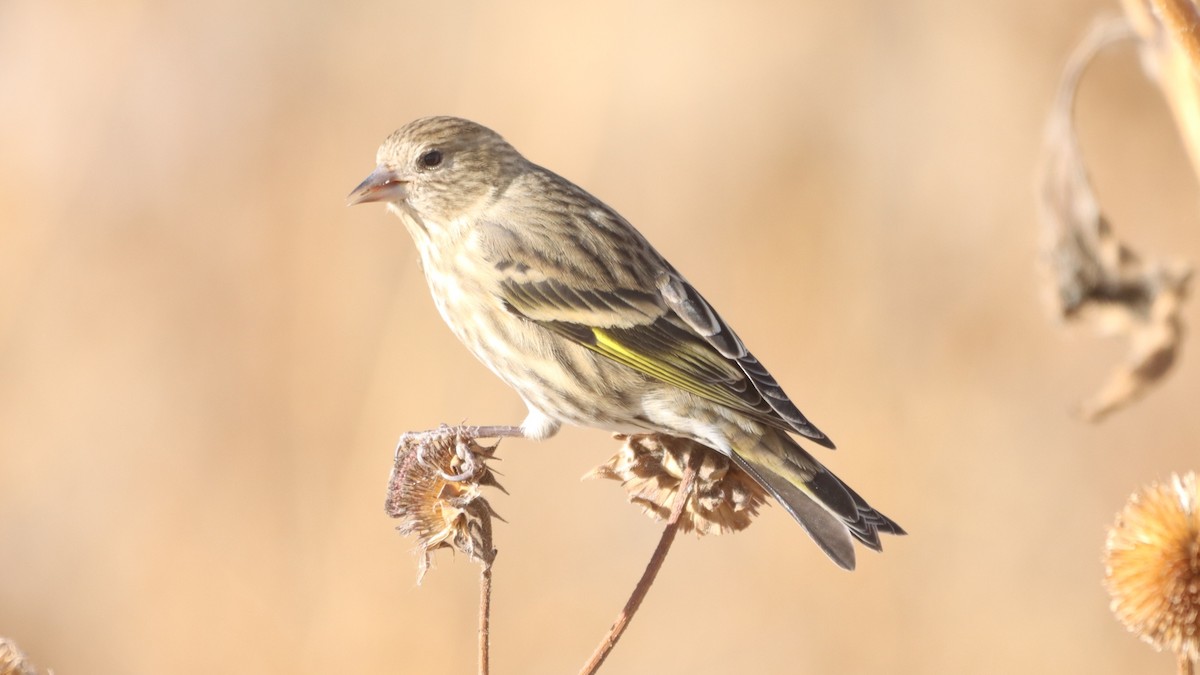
435,492
650,466
12,661
1152,565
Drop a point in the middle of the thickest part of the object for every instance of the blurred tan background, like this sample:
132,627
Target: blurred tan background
205,359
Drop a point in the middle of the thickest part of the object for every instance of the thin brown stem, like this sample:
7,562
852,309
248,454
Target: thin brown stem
1170,32
485,618
656,562
1182,22
1187,665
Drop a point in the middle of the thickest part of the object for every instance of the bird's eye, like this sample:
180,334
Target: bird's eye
431,159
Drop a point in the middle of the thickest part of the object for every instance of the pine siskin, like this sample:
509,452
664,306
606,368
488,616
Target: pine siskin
567,303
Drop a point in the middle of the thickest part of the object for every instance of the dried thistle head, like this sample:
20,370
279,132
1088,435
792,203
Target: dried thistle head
435,492
650,467
1152,566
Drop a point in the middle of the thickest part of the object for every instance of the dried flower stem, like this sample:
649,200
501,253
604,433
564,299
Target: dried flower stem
485,617
1186,665
656,562
1096,277
1182,20
434,490
1171,45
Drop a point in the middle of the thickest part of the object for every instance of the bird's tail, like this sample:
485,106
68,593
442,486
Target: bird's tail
824,506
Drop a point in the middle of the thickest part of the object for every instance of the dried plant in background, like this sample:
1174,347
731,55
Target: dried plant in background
435,491
12,660
1096,278
1152,567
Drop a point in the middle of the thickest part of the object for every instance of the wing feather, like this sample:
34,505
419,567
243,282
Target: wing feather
688,304
646,332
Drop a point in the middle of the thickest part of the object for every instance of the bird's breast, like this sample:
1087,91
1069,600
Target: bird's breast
555,375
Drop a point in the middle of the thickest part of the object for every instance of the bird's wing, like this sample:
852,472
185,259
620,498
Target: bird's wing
687,304
670,333
579,269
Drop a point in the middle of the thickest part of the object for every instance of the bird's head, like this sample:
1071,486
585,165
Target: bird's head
439,167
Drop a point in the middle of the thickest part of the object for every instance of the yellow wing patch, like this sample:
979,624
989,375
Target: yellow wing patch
666,371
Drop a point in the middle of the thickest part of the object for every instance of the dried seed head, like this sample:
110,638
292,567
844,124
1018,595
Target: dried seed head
650,466
1152,566
12,661
435,492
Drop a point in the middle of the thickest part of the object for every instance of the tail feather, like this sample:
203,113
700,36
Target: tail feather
826,529
829,510
877,520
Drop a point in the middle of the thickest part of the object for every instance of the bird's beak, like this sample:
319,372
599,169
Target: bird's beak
383,185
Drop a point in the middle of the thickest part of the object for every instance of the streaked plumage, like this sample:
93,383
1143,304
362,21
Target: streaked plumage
567,303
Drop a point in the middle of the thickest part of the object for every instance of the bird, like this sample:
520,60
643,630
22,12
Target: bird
570,305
